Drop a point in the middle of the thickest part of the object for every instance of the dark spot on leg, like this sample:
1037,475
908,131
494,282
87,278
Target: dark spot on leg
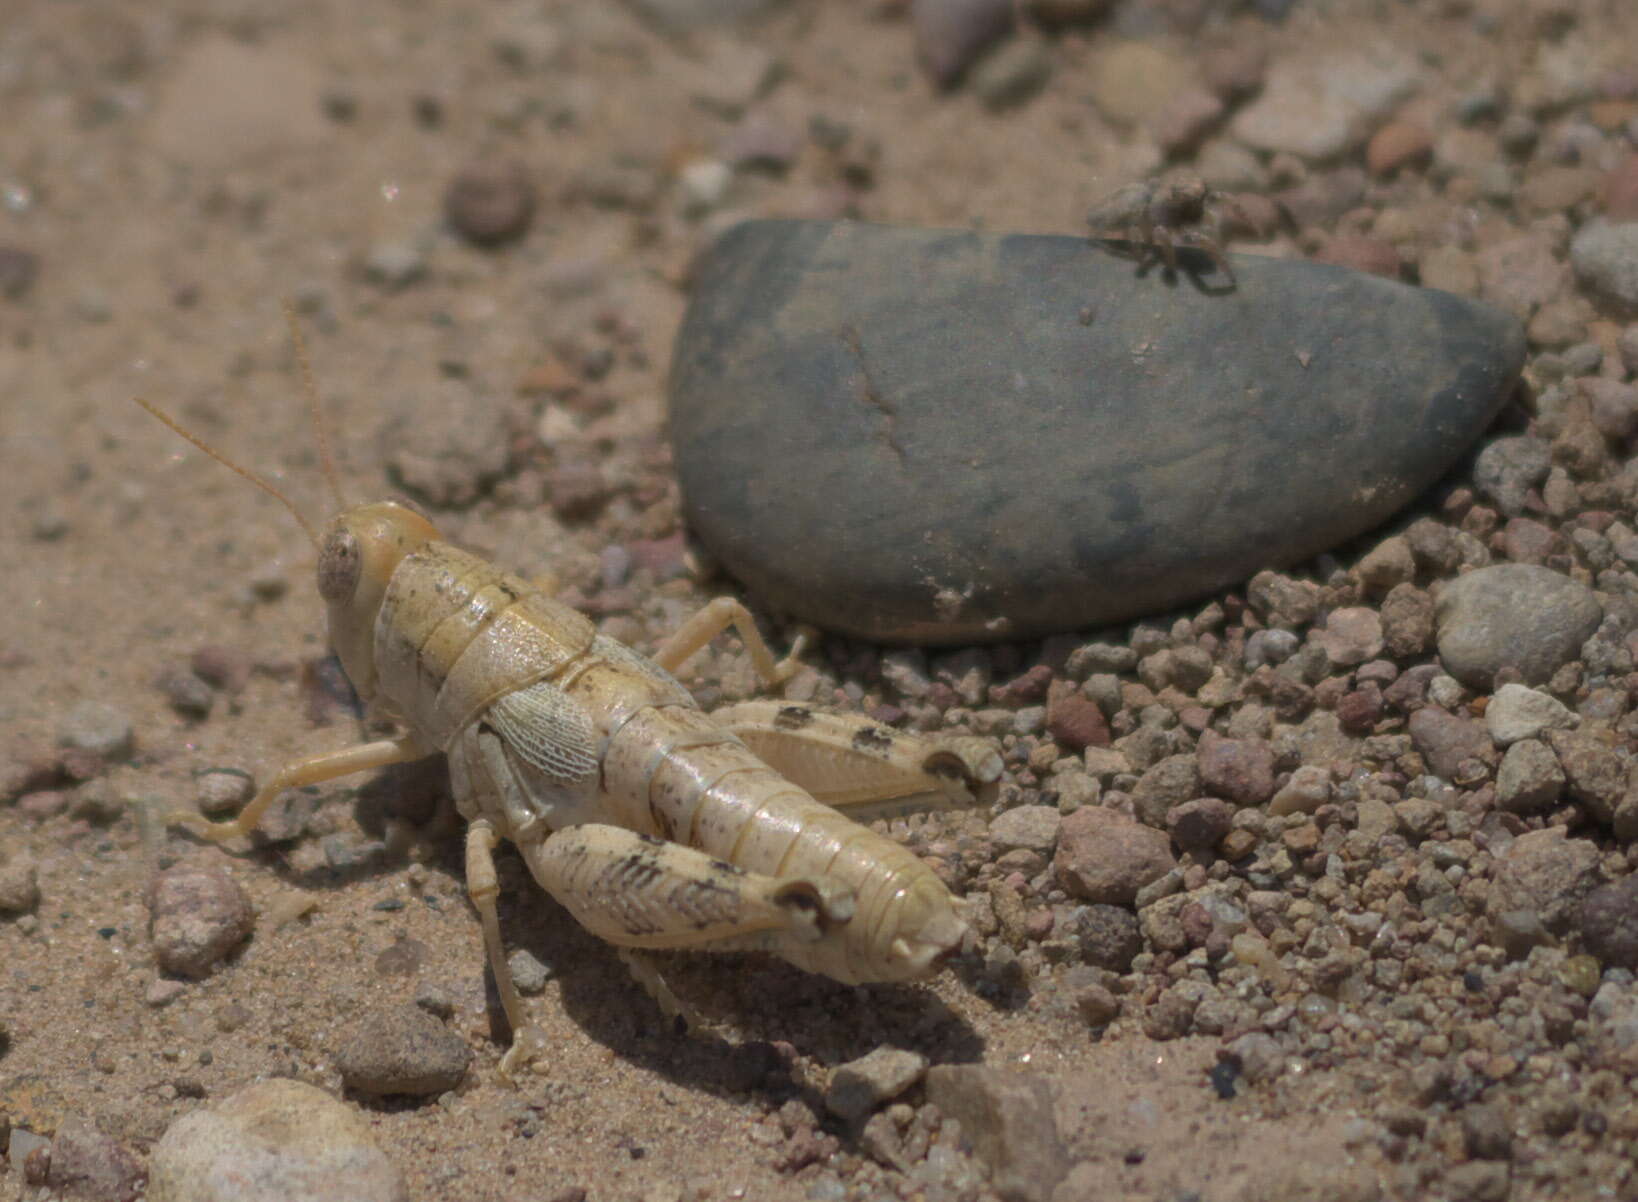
872,738
792,717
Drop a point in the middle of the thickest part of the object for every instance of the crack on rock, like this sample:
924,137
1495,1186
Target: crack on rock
870,396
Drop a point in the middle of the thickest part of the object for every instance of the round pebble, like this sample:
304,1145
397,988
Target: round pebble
1200,825
1605,258
1397,145
1508,468
490,201
1609,923
198,915
224,791
274,1141
950,35
1519,616
1351,636
19,885
1238,770
1033,828
187,693
1104,856
97,728
395,265
401,1050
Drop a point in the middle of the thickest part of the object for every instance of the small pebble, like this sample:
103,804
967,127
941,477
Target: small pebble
403,958
188,694
1516,712
199,915
274,1141
87,1164
18,269
97,728
1539,885
395,265
528,973
1529,778
1605,258
1398,145
1013,74
1104,856
951,34
1237,770
1034,828
1513,616
401,1050
19,885
224,668
224,791
490,201
861,1086
163,992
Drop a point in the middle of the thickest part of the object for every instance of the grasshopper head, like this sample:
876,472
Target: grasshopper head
357,556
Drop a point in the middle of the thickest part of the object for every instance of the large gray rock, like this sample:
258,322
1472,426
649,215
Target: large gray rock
942,436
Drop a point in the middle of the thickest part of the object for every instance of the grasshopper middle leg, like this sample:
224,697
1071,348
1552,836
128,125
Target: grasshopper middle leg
310,771
712,621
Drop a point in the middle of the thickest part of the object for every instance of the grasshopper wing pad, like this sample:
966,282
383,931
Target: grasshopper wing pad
550,731
870,770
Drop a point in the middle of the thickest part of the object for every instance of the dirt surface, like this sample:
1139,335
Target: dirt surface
175,173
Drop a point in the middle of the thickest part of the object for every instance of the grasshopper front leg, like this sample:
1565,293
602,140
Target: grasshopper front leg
310,771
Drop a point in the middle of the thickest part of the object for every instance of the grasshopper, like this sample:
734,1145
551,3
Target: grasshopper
656,825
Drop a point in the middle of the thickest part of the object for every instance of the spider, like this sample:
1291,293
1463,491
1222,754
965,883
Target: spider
1161,216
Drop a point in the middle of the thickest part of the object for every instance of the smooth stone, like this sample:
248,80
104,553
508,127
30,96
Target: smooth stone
1605,258
1513,615
273,1140
943,436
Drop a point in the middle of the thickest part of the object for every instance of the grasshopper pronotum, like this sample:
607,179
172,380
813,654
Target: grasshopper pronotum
655,824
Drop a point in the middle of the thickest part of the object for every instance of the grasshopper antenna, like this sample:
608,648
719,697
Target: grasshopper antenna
299,345
260,483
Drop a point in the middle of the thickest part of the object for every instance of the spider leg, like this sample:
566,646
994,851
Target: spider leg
1208,245
1167,244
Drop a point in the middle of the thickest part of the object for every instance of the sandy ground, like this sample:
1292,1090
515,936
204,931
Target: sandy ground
168,228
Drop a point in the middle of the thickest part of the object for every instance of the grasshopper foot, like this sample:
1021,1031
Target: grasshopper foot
216,832
528,1046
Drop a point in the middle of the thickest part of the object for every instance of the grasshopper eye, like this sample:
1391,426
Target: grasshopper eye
340,563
